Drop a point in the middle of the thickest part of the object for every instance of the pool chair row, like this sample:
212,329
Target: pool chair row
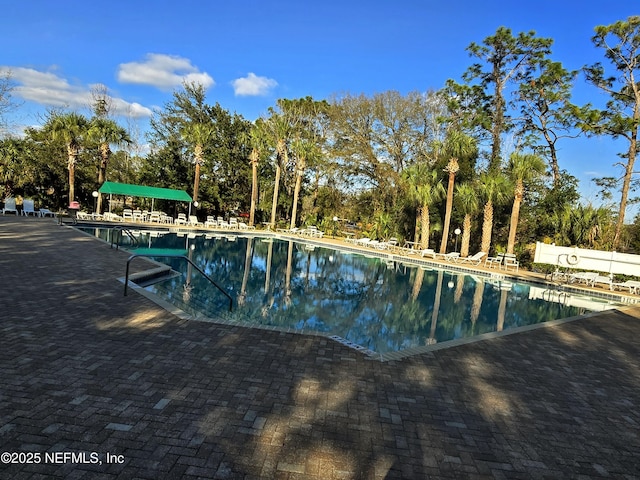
28,208
593,279
232,224
310,231
390,244
503,261
454,257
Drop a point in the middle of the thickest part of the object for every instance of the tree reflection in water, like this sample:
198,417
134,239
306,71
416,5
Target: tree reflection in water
381,305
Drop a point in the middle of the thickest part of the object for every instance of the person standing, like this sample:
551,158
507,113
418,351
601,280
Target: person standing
19,205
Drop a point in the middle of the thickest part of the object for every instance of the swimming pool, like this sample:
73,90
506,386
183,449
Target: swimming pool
379,305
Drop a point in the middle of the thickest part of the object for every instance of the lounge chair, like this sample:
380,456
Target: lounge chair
181,220
632,285
603,280
428,252
449,257
194,222
127,215
362,241
138,216
111,217
210,222
474,259
10,206
587,278
45,212
28,208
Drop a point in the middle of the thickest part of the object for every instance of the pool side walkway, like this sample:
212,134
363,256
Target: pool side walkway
85,370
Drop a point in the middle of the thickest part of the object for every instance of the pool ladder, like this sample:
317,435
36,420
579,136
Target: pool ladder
126,277
116,236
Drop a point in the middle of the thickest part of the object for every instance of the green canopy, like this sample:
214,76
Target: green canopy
127,189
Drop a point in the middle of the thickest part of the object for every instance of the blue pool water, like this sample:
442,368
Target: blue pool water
380,305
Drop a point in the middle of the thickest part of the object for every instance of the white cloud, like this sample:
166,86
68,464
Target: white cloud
252,85
52,90
163,71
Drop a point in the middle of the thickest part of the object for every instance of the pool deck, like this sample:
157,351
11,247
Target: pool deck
85,369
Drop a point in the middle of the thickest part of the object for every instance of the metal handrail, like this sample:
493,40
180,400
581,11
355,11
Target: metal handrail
126,277
120,229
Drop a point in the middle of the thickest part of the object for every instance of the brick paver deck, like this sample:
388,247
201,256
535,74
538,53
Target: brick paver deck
85,369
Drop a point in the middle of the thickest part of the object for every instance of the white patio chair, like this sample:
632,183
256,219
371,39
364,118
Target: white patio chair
510,261
28,208
497,261
10,206
194,222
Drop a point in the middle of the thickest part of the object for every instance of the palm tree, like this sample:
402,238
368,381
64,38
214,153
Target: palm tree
278,129
71,129
425,188
257,140
467,201
106,132
493,188
522,168
198,134
303,151
457,145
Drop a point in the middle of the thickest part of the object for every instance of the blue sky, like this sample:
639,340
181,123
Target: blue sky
250,53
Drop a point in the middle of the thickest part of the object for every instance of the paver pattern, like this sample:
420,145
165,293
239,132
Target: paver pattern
85,369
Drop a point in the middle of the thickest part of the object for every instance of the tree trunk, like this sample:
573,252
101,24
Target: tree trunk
274,204
447,213
105,153
196,182
487,227
296,192
424,223
72,174
553,158
254,191
498,124
515,215
466,236
628,174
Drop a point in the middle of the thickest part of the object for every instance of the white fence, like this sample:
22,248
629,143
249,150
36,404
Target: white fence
584,259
